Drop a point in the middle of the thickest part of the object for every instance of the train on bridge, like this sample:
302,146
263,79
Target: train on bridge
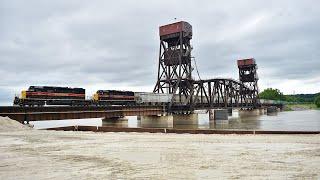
65,96
51,95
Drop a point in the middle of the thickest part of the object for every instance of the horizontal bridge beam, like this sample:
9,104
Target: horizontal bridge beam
39,113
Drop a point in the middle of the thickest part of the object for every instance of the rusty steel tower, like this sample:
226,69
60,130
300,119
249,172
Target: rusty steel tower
174,69
248,77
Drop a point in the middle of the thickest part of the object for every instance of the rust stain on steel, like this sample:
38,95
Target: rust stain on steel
176,27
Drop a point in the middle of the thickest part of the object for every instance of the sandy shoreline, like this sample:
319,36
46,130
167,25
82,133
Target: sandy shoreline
41,154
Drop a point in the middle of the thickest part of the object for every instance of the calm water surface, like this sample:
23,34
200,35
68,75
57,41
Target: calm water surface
291,120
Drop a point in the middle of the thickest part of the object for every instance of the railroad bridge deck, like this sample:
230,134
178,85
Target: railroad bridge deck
69,112
73,112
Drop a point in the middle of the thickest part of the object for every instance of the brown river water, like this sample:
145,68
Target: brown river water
308,120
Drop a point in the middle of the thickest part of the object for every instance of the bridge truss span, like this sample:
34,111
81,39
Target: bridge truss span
221,93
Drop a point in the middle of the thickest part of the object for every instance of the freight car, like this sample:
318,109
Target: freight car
50,95
152,98
113,97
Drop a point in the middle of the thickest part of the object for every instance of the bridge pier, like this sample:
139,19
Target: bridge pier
115,121
229,111
262,111
157,121
272,109
250,112
169,120
185,119
218,116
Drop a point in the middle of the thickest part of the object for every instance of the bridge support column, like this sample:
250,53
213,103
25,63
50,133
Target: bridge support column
251,112
157,121
185,119
262,111
115,121
218,116
272,109
229,111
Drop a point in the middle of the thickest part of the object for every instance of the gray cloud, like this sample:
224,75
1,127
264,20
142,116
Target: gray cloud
115,44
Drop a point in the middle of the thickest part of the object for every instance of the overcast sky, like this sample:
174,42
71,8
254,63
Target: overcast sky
115,44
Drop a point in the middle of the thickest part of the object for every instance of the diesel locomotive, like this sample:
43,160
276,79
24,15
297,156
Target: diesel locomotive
50,95
113,97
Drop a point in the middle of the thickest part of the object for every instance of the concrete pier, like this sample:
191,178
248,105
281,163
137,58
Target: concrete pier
185,119
157,121
115,121
251,112
262,111
272,109
218,116
169,120
229,111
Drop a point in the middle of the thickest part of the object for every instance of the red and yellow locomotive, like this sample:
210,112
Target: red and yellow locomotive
113,97
50,95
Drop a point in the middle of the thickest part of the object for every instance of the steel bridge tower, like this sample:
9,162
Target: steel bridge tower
174,69
248,77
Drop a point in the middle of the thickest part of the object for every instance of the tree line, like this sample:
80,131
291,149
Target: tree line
276,94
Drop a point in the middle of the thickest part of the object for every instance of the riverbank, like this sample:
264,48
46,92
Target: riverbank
300,107
42,154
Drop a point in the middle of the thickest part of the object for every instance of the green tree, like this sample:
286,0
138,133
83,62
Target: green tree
317,101
291,98
272,94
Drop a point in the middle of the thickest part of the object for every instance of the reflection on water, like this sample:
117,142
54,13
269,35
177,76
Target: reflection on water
292,120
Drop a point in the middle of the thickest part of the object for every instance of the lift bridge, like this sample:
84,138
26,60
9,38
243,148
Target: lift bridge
175,78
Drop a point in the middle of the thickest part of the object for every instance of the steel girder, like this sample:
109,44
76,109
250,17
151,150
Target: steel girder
219,93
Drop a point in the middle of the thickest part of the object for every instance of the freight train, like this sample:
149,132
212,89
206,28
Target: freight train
50,95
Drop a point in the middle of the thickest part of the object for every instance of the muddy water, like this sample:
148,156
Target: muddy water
293,120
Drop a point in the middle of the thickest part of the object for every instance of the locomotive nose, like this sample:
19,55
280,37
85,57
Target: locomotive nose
95,97
23,94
